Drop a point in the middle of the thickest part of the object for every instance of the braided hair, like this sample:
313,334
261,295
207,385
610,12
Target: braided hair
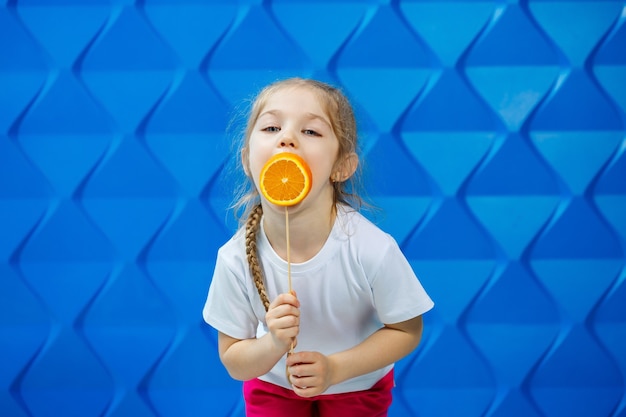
252,227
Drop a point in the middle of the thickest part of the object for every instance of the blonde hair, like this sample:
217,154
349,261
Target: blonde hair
343,122
341,115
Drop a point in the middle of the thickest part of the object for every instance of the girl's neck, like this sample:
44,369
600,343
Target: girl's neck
308,232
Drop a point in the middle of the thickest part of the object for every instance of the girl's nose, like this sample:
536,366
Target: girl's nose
288,141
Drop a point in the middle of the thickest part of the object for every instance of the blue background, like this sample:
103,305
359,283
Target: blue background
493,135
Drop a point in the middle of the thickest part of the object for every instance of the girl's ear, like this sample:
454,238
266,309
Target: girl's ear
345,168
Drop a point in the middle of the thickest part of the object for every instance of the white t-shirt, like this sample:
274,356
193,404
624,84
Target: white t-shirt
359,280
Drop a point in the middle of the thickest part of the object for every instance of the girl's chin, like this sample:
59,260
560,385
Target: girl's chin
277,208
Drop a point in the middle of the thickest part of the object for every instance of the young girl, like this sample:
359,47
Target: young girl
356,304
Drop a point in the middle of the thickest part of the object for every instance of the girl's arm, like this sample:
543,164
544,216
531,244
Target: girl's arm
312,373
250,358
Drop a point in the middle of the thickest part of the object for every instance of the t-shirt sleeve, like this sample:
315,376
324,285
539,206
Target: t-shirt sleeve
228,308
398,293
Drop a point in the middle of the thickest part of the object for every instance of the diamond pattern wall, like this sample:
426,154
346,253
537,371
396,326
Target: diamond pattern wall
495,142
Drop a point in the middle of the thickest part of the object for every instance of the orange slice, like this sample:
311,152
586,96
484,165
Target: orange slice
285,179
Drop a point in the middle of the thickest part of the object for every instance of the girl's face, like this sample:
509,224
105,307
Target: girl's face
295,120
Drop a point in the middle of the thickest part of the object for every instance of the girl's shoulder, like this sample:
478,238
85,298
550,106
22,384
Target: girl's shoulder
367,242
367,247
235,248
354,223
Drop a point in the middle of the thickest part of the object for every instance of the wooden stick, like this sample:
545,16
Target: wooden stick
288,248
288,261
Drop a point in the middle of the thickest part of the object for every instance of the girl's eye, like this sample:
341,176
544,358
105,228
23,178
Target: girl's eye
271,129
310,132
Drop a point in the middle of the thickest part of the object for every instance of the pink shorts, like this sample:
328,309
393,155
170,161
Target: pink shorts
264,399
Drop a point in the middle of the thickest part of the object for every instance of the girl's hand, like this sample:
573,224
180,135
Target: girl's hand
310,373
283,321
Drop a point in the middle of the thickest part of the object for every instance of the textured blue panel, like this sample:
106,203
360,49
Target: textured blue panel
577,233
523,330
175,115
65,30
570,28
448,157
610,66
448,27
320,42
450,233
493,139
609,324
49,114
396,79
126,73
193,40
583,103
184,377
66,378
609,193
22,203
22,68
519,171
577,157
19,51
24,329
464,376
253,53
512,40
468,277
513,92
564,384
451,97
